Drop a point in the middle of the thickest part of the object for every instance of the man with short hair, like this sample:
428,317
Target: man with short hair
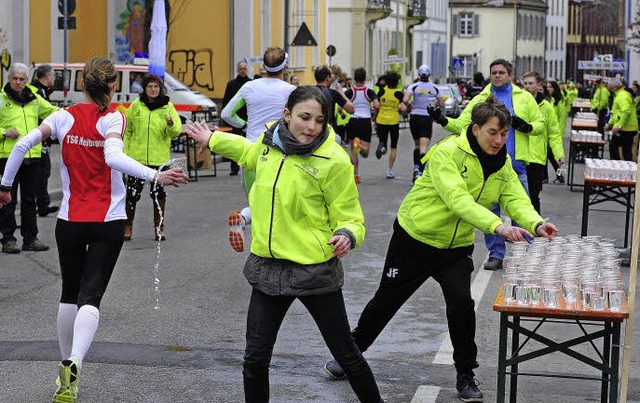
45,79
527,123
424,93
233,86
265,100
20,109
359,129
551,138
623,122
324,77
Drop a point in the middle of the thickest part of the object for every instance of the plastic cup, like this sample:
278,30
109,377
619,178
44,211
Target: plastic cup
615,299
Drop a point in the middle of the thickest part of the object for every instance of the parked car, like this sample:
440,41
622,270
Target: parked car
191,105
451,106
456,93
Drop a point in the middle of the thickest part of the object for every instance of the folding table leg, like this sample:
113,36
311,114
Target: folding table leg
502,358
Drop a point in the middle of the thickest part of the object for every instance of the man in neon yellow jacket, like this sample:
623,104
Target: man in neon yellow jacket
550,139
600,103
433,235
20,111
526,127
623,122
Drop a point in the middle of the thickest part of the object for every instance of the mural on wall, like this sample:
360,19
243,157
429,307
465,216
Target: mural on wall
193,67
130,34
5,56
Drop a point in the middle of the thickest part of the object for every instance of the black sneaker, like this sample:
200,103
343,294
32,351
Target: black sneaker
559,180
10,247
467,387
334,370
380,151
35,246
493,264
45,211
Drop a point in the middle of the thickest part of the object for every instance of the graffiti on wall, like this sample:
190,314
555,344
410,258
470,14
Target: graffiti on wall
193,67
130,35
5,55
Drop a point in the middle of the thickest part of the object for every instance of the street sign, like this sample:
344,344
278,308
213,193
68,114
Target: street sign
458,63
331,50
71,23
591,65
71,6
393,60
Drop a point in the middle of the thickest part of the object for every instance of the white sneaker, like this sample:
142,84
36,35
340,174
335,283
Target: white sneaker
236,231
390,174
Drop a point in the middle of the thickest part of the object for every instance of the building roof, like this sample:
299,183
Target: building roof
532,4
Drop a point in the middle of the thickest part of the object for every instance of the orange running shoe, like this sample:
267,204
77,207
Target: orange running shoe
236,231
357,178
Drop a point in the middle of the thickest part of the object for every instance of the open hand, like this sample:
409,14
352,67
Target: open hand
199,132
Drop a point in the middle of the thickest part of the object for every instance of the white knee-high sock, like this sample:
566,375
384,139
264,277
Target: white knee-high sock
246,213
84,329
66,319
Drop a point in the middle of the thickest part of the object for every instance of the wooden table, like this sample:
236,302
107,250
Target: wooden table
598,191
606,322
578,150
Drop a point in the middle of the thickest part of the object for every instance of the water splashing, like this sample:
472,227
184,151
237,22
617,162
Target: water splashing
180,162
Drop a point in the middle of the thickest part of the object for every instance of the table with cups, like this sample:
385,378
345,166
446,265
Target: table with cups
581,104
608,181
582,144
570,280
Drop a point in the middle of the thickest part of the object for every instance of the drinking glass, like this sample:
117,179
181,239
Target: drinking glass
615,298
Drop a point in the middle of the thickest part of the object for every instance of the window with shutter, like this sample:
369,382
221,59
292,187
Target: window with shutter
476,24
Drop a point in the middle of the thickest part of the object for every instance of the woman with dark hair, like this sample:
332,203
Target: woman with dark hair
306,216
561,106
90,226
152,121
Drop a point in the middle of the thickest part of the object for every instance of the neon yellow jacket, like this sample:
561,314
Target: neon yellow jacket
524,106
452,197
562,109
147,138
551,137
297,202
623,111
600,98
22,118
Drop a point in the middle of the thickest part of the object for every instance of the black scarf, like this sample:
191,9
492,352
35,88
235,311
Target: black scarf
490,163
290,144
159,102
22,98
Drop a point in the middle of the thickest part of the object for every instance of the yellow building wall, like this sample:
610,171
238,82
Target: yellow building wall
90,36
39,32
198,45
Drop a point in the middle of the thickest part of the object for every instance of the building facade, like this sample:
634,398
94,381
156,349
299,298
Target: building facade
482,31
430,40
556,40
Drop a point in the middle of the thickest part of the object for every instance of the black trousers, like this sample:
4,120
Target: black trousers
624,140
602,113
42,196
88,252
264,318
27,180
135,186
409,263
535,175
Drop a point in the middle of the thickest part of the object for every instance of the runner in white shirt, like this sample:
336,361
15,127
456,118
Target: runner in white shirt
265,99
424,93
90,226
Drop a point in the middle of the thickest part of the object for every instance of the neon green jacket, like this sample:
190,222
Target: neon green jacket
147,138
22,118
297,202
551,137
562,109
623,112
452,197
600,98
524,106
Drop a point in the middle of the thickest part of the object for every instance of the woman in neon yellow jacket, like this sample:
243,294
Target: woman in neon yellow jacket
305,217
433,236
152,121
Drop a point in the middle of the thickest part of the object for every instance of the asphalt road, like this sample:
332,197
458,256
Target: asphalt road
190,348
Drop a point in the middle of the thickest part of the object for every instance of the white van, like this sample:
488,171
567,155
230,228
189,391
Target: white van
190,104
